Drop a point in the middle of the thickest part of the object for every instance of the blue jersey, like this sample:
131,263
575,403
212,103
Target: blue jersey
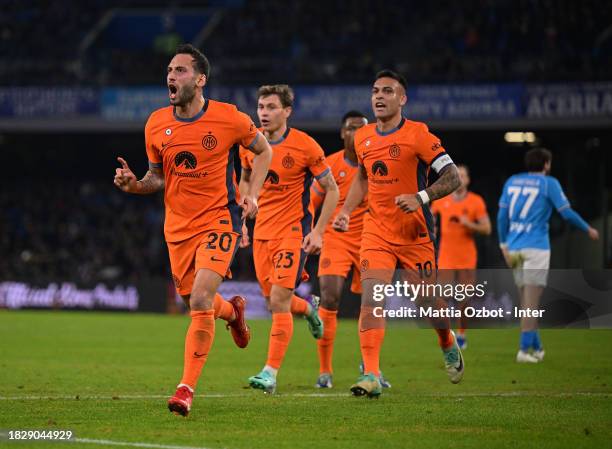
525,207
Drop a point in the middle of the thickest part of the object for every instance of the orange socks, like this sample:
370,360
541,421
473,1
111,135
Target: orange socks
198,342
445,338
442,327
223,309
299,306
325,345
371,337
280,336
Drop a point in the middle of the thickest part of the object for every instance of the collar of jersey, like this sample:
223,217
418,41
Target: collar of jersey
195,117
392,130
282,138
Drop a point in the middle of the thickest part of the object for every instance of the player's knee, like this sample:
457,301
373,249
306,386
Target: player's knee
280,302
330,299
202,300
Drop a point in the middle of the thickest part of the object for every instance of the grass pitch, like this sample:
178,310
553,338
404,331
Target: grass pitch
107,376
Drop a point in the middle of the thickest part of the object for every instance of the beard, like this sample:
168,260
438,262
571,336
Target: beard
186,96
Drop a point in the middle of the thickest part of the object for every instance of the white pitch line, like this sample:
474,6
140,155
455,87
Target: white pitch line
509,394
130,444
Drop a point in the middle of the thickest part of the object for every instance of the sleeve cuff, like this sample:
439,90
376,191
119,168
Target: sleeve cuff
253,142
325,172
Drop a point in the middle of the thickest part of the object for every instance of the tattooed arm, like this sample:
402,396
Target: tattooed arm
445,184
125,179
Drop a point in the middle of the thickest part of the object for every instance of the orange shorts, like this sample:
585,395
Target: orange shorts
212,249
278,262
379,258
338,259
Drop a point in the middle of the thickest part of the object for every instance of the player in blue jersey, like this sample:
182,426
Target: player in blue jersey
525,207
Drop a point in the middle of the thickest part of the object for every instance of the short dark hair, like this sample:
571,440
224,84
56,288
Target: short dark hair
352,114
536,158
391,74
200,62
284,92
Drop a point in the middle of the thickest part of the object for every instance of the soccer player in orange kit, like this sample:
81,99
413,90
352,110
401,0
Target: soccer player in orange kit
340,252
461,215
395,156
284,236
191,146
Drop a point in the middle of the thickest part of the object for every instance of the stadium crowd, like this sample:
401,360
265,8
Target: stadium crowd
86,232
468,41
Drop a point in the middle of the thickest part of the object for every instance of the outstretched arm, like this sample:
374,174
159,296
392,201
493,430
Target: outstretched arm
152,181
355,196
561,203
330,189
313,241
249,189
576,220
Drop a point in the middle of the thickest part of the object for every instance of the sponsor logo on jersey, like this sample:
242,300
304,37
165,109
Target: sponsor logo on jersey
379,168
272,177
185,160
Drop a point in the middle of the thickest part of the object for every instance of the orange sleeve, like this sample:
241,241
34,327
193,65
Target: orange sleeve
358,149
316,160
244,159
430,150
152,152
247,132
479,208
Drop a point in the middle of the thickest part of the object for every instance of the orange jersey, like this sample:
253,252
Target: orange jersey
284,200
457,247
344,172
397,162
197,155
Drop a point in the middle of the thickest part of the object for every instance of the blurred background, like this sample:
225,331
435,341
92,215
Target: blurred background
78,80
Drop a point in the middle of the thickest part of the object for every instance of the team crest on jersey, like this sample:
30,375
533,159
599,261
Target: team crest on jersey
394,151
186,160
435,146
168,132
379,168
209,141
326,262
342,173
288,161
272,177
